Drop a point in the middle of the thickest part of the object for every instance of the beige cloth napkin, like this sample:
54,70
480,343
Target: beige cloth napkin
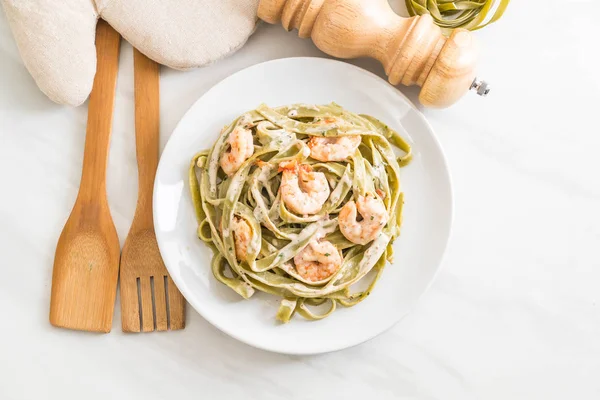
56,38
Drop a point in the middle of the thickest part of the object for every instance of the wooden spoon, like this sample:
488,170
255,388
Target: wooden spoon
86,264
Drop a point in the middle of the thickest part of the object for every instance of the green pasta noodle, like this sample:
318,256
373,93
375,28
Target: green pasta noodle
452,14
259,239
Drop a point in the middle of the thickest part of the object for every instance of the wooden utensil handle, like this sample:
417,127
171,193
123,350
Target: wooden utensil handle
86,264
412,50
100,112
146,83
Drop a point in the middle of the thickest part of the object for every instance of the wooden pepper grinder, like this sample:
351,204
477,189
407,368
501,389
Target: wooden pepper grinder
412,50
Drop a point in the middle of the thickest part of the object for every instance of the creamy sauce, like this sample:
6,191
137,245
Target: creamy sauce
259,214
337,192
286,138
245,121
373,253
309,106
305,151
321,227
235,186
263,176
320,128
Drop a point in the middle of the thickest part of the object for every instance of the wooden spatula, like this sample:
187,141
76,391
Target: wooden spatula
86,264
149,298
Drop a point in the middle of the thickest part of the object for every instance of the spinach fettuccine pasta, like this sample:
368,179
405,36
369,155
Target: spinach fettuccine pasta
453,14
301,202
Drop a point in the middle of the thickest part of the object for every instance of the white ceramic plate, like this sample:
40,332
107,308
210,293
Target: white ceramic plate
427,212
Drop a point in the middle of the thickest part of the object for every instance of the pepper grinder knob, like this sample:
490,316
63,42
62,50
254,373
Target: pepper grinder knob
481,87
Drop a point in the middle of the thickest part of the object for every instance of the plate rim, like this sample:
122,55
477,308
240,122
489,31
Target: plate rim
448,234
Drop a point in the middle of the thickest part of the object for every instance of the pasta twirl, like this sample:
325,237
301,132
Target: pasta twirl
301,202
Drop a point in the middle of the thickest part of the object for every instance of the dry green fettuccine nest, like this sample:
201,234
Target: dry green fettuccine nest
452,14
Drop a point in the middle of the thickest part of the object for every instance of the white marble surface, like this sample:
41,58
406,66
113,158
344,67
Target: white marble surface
514,313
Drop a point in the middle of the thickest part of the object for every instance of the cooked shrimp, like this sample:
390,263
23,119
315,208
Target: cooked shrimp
333,148
303,190
374,217
318,260
240,141
242,233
